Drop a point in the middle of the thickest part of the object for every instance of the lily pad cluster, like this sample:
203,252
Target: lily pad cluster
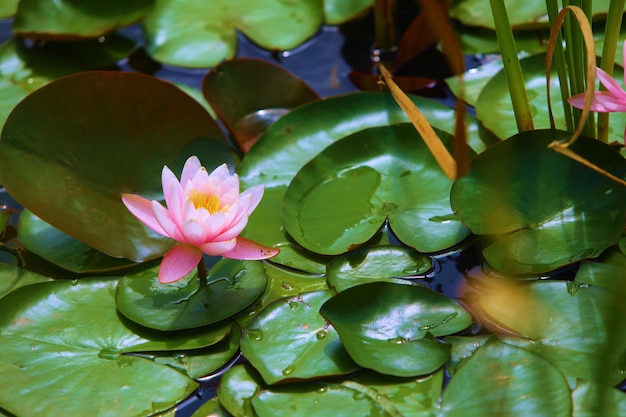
344,319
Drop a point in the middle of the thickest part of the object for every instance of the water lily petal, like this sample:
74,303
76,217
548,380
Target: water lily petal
142,209
193,232
611,85
180,260
165,221
602,102
218,248
192,166
172,191
213,225
247,249
256,194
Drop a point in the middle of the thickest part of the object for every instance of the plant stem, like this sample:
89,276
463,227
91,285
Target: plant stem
611,36
202,274
512,68
559,59
385,12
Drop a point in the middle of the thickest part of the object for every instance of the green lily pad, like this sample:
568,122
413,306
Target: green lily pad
25,68
347,399
58,336
504,380
340,11
597,399
284,282
198,363
389,327
414,397
72,166
41,19
523,14
62,250
289,340
194,33
8,8
362,188
495,111
13,277
555,320
303,133
231,287
250,94
376,263
211,408
546,209
237,387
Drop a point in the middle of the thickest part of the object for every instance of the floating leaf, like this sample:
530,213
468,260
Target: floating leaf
415,397
211,408
250,94
303,133
194,33
42,19
555,320
495,111
504,380
376,263
547,210
231,287
389,327
237,387
71,167
25,68
13,277
340,11
290,340
58,336
363,189
198,363
8,8
597,399
62,250
524,14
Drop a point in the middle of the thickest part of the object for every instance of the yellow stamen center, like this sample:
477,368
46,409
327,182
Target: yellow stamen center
211,202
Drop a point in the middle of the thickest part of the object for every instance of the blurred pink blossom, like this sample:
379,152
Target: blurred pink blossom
205,214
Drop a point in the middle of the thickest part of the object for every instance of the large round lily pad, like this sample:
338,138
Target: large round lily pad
197,33
64,350
71,167
345,194
290,340
390,328
546,209
303,133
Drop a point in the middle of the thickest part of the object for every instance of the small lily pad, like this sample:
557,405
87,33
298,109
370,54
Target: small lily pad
289,340
390,327
376,263
231,287
362,190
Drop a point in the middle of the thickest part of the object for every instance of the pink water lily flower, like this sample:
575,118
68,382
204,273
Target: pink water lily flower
205,214
610,101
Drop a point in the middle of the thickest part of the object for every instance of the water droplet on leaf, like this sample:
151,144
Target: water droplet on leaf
255,334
